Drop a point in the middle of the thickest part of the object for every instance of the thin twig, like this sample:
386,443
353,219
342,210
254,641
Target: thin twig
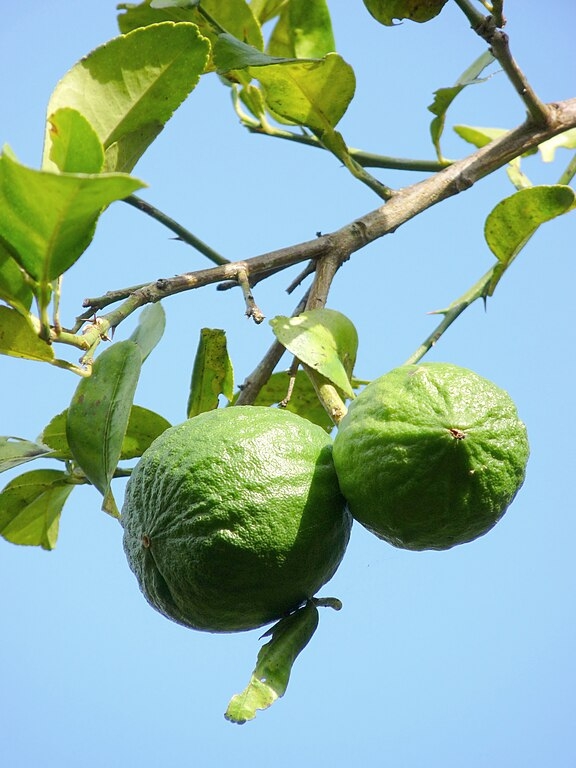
252,309
365,159
487,28
183,234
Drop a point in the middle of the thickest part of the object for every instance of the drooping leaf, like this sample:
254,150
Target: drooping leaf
325,340
304,30
47,219
144,426
98,415
444,97
150,328
15,451
75,146
274,664
30,507
212,374
514,220
14,289
128,88
385,11
19,339
232,54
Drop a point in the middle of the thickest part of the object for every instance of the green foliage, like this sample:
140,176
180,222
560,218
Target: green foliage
19,338
323,339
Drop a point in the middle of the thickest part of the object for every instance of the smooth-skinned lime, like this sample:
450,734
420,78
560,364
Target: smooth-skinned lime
430,456
235,518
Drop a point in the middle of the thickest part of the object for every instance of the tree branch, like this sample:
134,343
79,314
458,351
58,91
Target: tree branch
487,27
403,206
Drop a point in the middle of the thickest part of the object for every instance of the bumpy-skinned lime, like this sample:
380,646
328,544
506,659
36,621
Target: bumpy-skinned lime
234,518
430,456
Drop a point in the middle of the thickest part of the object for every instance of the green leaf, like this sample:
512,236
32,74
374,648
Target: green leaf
128,88
312,93
444,97
14,289
385,11
15,451
75,146
234,16
47,220
98,415
143,428
303,400
323,339
19,339
304,30
274,664
479,137
30,507
150,328
514,220
212,374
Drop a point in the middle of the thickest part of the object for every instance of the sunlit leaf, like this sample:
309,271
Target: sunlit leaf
150,328
323,339
212,374
47,219
311,93
19,339
98,415
264,10
385,11
304,30
234,16
75,146
444,97
514,220
130,86
15,451
30,507
274,664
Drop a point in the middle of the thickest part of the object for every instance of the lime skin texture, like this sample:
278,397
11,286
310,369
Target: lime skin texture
430,456
235,518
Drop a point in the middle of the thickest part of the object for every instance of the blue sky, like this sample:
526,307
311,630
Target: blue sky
460,658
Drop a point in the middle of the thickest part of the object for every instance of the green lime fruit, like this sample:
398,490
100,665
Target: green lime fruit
235,518
430,456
